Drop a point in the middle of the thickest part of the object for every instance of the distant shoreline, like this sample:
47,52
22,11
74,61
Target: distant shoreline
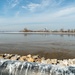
64,33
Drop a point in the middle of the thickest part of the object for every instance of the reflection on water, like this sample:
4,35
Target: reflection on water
33,43
46,34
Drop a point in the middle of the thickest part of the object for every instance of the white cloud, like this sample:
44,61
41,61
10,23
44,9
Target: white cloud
9,1
45,3
32,7
60,15
42,5
13,3
24,7
35,6
42,17
17,13
65,12
56,2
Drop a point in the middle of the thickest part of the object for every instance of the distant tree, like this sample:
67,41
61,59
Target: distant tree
61,30
25,29
68,30
46,30
55,30
74,30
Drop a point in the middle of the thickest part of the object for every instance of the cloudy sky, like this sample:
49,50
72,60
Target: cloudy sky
37,14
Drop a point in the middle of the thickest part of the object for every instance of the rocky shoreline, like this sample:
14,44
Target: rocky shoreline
38,59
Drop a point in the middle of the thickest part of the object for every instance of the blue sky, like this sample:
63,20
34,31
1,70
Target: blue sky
37,14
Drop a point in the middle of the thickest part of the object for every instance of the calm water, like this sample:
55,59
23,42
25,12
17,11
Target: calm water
44,44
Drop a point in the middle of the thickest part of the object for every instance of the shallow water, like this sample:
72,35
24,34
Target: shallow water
45,44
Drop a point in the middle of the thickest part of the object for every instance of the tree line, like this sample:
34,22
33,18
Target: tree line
46,30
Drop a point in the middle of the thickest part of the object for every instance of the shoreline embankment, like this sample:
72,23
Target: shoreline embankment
38,59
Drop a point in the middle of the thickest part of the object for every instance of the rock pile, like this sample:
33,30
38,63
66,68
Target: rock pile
38,59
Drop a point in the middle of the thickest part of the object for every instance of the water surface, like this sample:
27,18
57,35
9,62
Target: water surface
48,45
